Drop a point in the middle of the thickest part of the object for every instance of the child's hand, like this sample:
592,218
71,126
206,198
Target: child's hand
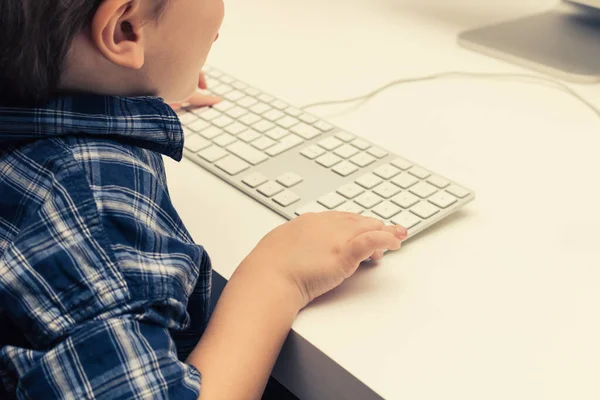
317,252
199,99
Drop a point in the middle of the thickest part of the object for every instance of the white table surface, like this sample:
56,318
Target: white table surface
501,300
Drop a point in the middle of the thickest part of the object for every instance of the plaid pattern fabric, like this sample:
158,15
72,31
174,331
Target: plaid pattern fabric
96,267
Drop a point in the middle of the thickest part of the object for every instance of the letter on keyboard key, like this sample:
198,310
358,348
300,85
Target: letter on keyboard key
232,165
443,199
331,200
345,168
305,131
386,210
288,142
406,219
350,190
254,180
312,207
247,153
286,198
458,191
196,143
212,153
424,210
270,189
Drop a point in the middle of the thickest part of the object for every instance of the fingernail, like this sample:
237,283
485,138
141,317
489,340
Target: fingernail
402,232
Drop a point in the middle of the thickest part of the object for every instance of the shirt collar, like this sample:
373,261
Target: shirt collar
143,121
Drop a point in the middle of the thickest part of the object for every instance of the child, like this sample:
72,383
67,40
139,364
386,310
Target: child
96,268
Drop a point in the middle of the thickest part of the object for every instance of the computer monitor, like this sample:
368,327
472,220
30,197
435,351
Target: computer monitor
564,42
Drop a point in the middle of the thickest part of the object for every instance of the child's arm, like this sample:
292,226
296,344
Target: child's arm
294,264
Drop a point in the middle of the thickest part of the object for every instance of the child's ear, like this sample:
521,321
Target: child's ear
117,32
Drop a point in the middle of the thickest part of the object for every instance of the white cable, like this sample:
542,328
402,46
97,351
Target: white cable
459,74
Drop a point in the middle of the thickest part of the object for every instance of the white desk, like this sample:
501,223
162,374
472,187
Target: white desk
501,301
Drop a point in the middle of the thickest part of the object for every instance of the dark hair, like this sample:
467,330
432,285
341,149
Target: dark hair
35,37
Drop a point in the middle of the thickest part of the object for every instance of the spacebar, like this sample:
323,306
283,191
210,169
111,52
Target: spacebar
247,153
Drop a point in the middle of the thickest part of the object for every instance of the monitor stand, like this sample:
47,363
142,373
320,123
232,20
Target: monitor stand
564,42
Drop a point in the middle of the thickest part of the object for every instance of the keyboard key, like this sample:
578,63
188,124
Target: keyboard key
206,113
312,207
286,198
331,200
187,131
247,101
254,180
273,115
346,151
250,91
345,168
369,181
267,98
424,210
196,143
406,220
323,126
221,90
222,121
250,119
249,135
402,163
386,210
214,73
234,95
443,199
278,104
377,152
211,132
386,190
212,153
287,122
277,133
260,108
330,143
458,191
263,126
239,85
312,152
360,144
223,105
263,143
350,207
368,200
224,140
350,190
419,172
232,165
288,142
405,199
212,82
309,119
328,160
247,153
236,112
236,128
438,182
344,136
199,125
387,171
423,189
187,118
270,189
363,159
226,79
293,111
289,179
305,131
404,180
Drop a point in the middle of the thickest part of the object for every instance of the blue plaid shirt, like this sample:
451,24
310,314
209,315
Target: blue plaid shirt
96,267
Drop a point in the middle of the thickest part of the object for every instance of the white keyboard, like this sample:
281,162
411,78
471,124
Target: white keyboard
294,162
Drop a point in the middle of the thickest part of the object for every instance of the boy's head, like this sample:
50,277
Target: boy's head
114,47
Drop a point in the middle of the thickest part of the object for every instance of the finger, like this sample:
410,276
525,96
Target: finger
377,255
203,100
202,81
399,231
176,106
363,246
